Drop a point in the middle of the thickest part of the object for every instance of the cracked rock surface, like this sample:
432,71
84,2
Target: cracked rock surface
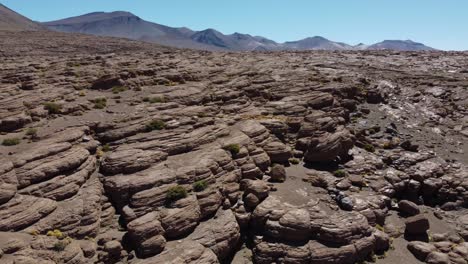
116,151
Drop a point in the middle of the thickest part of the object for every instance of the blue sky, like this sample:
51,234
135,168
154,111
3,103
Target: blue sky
442,24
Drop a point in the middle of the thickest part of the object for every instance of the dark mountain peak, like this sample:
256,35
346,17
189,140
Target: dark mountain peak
402,45
240,36
408,41
108,14
210,31
316,38
316,43
210,37
94,17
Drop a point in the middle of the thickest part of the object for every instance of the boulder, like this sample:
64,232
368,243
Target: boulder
421,249
438,258
278,173
221,234
417,225
181,221
257,187
329,146
113,248
382,241
147,235
408,208
107,82
278,152
14,122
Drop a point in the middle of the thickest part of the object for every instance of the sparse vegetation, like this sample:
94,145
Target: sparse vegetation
118,89
106,148
380,228
34,233
153,100
31,132
100,103
56,233
53,108
387,145
171,83
233,148
176,193
99,153
11,141
369,147
339,173
89,238
294,161
155,125
60,245
200,186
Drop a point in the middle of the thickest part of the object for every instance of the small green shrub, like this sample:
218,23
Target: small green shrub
154,100
118,89
200,186
100,103
155,125
106,148
32,132
99,153
176,193
294,161
53,108
369,147
233,148
11,141
339,173
60,245
387,145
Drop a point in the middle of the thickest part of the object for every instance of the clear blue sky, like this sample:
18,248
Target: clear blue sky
442,24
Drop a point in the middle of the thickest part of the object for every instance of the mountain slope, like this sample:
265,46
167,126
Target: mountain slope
12,21
402,45
316,43
236,41
125,25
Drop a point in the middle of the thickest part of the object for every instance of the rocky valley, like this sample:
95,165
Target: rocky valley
118,151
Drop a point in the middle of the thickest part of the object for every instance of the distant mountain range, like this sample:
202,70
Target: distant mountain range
127,25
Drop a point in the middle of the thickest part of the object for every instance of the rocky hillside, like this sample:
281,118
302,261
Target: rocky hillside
12,21
115,151
316,43
403,45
